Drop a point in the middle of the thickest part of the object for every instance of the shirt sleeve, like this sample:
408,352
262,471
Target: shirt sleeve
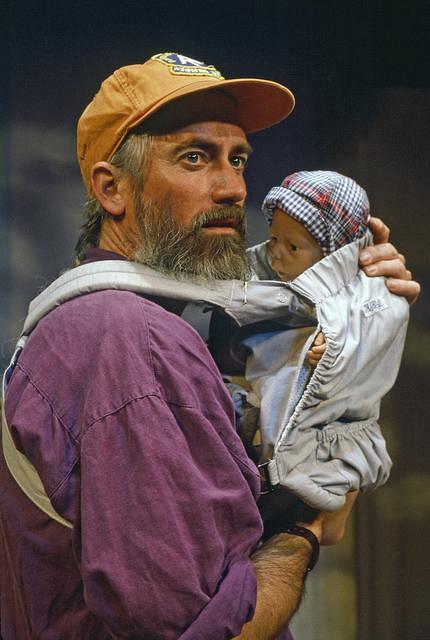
168,523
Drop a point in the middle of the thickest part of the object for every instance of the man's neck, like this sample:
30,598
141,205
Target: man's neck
119,235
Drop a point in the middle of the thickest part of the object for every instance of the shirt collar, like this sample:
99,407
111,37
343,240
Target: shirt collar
93,254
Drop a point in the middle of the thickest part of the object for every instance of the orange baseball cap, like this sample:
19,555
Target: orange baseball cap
134,93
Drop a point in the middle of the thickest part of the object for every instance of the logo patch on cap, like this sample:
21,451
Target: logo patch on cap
183,66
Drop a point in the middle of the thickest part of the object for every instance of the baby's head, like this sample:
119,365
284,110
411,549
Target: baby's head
312,214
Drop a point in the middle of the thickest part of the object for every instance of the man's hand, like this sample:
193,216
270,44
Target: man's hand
281,565
330,527
383,259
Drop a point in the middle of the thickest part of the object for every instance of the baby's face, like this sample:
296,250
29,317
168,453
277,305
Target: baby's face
292,249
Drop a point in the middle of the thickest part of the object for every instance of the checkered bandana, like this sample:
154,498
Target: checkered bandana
332,207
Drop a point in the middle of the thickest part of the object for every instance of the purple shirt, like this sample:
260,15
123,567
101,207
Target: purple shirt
122,411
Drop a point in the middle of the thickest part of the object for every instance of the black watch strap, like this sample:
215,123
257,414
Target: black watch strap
296,530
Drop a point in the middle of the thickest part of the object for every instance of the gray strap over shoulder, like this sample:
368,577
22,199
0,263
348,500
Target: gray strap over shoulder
19,466
245,302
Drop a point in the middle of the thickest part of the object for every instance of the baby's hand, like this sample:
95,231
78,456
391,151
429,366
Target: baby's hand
317,350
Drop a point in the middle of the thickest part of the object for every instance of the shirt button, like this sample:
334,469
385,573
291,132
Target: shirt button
282,298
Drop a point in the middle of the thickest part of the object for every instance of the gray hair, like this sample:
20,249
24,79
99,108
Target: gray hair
132,158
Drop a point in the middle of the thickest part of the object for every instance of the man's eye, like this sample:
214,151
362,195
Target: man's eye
193,157
238,162
293,247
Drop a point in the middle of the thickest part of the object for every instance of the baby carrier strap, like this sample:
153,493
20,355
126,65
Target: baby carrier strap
245,302
20,467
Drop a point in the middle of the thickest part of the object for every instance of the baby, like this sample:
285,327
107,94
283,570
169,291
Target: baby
312,214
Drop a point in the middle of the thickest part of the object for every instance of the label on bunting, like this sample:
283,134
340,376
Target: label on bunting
373,306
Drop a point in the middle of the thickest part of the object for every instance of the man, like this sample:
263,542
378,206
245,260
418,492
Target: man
117,404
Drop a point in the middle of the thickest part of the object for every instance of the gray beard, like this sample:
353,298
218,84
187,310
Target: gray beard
173,250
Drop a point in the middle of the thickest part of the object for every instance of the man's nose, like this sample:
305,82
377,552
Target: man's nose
228,187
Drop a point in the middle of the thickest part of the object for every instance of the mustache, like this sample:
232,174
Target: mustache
175,249
232,214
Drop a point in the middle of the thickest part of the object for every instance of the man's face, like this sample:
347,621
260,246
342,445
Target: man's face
292,249
190,213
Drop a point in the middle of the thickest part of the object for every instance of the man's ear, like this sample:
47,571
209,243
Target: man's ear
104,183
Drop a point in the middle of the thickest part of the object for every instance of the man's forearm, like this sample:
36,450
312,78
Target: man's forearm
280,568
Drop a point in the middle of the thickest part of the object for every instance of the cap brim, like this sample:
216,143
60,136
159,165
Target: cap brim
260,103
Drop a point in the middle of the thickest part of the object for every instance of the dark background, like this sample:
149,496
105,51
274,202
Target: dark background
360,73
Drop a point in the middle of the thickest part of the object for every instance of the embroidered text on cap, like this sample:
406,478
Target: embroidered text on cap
184,66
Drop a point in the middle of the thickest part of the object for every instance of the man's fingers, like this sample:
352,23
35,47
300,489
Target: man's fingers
406,288
393,268
376,253
399,278
379,230
335,522
388,268
384,260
